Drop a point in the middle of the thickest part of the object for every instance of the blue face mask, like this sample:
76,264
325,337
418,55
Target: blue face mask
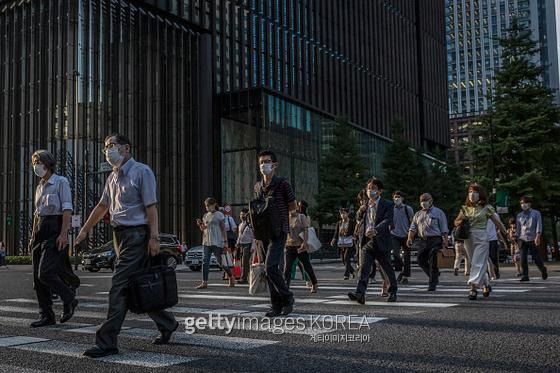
373,193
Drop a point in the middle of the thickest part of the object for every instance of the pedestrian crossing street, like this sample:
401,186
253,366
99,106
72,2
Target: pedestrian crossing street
330,303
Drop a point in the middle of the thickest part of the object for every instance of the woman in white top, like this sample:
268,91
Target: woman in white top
214,240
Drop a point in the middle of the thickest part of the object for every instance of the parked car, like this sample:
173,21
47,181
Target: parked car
104,256
100,257
195,256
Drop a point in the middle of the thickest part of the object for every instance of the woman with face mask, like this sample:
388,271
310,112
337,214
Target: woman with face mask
343,238
214,240
477,211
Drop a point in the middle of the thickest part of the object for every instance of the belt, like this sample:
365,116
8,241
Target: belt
429,238
122,228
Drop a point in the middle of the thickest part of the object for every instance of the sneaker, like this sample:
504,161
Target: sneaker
203,285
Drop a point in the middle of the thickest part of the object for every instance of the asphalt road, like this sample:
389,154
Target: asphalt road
516,329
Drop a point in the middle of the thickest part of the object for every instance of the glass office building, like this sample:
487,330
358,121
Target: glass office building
201,86
473,54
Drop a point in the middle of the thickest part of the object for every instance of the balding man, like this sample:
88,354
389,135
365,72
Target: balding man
430,225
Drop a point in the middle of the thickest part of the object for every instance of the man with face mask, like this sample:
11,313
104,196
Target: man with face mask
528,233
375,220
430,224
130,197
283,203
49,239
402,218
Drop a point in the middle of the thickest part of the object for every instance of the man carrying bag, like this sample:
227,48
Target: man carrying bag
130,197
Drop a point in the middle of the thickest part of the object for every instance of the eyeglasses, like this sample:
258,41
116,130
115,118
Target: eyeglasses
109,146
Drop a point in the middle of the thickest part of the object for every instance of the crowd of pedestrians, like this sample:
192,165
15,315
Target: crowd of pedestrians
380,235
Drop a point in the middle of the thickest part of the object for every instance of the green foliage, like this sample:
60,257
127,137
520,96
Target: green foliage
402,168
342,173
520,129
11,260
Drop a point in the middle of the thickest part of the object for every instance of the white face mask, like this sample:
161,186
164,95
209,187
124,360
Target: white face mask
425,204
398,201
525,206
266,168
40,169
114,156
473,197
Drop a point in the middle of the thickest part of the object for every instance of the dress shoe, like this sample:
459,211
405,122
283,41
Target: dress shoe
288,307
392,297
165,336
96,352
46,320
68,311
404,280
519,274
544,274
524,279
431,288
399,277
274,312
456,271
357,297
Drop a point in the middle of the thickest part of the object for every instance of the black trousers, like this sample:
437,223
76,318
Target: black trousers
346,254
48,263
526,248
495,256
427,258
291,255
371,253
131,247
280,294
401,253
246,260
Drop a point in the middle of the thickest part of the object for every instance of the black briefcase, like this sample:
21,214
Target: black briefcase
152,289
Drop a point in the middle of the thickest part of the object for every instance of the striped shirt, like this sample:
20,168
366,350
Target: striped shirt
283,196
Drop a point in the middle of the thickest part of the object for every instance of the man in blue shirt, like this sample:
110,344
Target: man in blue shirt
402,218
528,233
430,225
130,197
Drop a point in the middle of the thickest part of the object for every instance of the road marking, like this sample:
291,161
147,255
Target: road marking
135,358
19,340
205,340
395,304
18,321
241,297
78,313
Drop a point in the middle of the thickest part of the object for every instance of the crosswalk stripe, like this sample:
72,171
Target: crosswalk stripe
78,313
135,358
396,304
19,340
204,340
18,321
241,297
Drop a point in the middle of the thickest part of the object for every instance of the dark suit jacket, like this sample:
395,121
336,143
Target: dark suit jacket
351,228
383,225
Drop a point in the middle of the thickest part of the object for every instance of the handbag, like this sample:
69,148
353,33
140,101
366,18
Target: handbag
227,259
445,258
153,288
345,241
313,243
461,232
258,282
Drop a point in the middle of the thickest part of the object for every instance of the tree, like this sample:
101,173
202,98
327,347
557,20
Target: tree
402,167
447,186
342,173
517,142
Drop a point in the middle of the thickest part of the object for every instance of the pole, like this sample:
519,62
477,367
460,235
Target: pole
492,169
76,75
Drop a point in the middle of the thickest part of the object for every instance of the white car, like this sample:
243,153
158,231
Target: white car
194,258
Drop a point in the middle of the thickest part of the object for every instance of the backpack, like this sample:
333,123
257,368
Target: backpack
264,216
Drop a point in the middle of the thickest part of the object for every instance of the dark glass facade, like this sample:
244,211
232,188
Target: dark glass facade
139,74
202,85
